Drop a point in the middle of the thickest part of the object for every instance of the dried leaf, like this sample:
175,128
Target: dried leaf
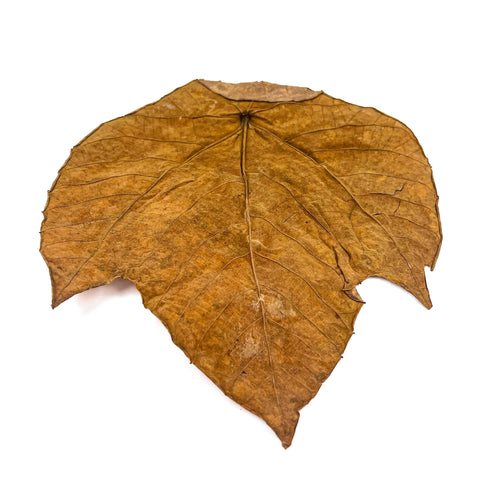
246,215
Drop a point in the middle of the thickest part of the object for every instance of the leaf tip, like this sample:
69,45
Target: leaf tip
425,300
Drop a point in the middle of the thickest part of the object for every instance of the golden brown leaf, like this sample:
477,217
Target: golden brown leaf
246,215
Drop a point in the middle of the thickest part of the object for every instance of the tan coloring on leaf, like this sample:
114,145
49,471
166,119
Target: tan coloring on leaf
246,215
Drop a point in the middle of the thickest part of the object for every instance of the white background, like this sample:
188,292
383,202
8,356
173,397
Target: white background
96,389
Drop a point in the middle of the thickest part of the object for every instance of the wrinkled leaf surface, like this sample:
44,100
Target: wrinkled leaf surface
246,215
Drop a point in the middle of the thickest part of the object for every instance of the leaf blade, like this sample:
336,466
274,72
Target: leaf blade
246,223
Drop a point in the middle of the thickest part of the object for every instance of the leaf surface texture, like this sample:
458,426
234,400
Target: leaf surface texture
246,215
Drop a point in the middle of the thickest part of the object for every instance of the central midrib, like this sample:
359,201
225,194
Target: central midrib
245,123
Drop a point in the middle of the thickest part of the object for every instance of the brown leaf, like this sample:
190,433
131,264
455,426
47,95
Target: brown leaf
246,215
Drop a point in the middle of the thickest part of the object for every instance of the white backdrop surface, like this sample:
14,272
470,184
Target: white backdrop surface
95,389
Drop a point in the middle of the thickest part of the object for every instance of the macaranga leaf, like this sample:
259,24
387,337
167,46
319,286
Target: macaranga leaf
246,215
